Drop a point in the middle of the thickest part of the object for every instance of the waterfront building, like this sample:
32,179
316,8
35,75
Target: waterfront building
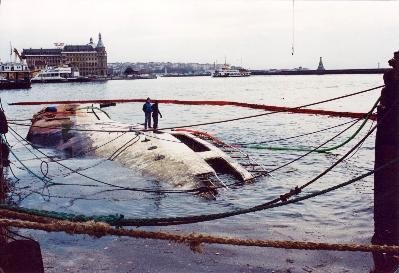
89,59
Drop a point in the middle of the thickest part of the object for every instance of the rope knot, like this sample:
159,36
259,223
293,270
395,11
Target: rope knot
288,195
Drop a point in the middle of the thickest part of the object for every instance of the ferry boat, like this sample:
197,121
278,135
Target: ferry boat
58,74
14,75
227,71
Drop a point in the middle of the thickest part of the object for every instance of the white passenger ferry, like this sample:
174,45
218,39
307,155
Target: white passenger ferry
58,74
227,71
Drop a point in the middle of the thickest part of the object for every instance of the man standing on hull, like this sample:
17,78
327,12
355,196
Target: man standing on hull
155,113
147,113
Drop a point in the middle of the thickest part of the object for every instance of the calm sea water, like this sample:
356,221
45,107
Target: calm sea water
345,215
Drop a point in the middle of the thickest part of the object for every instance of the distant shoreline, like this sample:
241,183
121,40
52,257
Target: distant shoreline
321,72
291,72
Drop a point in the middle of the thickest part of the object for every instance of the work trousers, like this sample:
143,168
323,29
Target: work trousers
155,120
147,121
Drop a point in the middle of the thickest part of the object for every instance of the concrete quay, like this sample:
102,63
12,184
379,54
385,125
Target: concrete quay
320,72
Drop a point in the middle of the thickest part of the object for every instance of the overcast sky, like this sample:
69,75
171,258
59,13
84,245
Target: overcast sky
347,34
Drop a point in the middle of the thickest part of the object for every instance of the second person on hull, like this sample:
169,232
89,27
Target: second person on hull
147,109
155,113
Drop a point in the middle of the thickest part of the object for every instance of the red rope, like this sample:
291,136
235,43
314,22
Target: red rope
214,103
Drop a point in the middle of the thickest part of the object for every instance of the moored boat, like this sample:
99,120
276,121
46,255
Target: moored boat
58,74
14,76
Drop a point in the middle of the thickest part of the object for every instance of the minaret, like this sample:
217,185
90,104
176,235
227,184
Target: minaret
101,57
91,42
321,66
100,42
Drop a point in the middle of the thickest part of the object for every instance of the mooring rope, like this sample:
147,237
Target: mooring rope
119,220
147,190
124,147
296,136
308,152
20,139
194,240
71,198
318,150
45,179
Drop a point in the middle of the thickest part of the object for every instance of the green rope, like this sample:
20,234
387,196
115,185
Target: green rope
325,150
111,219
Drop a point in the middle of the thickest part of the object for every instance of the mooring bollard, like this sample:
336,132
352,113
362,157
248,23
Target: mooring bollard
4,150
386,181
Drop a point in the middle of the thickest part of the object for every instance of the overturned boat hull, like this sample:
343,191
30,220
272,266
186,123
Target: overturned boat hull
177,157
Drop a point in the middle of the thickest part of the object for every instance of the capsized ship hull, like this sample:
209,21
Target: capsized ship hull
176,157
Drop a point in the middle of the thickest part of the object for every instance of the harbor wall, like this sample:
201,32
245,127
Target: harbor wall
321,72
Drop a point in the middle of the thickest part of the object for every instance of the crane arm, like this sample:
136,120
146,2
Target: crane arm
18,55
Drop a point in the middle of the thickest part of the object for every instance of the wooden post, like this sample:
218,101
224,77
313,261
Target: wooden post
4,153
4,150
386,182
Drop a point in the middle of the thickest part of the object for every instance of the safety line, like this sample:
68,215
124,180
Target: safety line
279,110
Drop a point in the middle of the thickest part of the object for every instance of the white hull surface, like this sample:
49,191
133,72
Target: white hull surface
179,158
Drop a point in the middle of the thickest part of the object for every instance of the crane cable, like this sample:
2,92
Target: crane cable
293,28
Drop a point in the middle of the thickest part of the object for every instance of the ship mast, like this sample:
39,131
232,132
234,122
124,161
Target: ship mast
10,52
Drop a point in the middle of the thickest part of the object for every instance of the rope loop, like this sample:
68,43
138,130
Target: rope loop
44,170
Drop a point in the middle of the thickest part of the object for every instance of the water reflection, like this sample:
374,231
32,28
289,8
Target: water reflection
158,195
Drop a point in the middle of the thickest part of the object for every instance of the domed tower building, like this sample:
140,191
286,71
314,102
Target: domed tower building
89,59
101,57
91,43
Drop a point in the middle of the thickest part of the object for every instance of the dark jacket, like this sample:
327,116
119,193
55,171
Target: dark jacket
155,111
147,107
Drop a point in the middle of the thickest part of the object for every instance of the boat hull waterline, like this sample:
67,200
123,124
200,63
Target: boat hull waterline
176,157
